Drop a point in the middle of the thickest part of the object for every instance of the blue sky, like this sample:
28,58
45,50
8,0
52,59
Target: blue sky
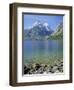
52,20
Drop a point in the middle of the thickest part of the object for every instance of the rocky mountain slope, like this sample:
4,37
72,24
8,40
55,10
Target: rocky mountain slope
58,34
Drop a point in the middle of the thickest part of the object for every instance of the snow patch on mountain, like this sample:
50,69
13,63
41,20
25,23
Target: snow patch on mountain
46,26
41,25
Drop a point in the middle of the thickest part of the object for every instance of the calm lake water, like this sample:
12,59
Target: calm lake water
42,49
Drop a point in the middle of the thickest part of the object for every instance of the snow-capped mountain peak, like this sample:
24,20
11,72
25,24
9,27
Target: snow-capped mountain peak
37,23
45,24
39,30
41,25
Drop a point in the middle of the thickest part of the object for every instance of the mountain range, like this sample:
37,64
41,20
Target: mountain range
43,31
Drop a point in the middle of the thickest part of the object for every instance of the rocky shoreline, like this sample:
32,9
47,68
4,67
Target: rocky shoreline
43,68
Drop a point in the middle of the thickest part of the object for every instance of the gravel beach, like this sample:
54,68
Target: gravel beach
43,68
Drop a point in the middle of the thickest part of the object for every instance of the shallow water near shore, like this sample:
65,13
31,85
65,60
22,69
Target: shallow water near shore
42,51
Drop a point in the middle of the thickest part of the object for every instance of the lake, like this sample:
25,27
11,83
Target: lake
42,51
